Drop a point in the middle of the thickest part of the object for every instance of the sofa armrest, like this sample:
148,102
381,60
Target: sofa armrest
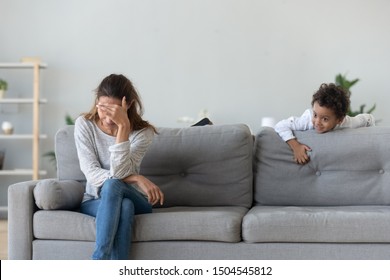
21,208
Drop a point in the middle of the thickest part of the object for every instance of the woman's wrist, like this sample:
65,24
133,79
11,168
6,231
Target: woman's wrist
123,133
132,179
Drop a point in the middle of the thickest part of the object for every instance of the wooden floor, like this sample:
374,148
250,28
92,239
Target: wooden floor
3,240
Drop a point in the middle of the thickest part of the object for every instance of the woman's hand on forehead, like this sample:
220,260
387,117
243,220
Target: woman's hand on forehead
123,104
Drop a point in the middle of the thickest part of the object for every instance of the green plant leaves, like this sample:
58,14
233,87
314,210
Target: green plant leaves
342,81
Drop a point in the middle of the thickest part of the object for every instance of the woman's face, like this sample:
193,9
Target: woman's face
106,122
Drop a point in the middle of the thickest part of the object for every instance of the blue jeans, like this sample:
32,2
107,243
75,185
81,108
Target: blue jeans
114,212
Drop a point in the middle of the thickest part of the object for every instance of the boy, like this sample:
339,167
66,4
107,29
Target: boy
329,111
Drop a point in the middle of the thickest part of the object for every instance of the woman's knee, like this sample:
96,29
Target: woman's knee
127,207
90,207
112,187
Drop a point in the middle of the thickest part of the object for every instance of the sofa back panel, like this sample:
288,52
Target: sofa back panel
68,165
347,167
194,166
202,166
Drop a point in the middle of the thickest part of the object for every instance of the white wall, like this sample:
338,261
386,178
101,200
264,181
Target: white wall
239,59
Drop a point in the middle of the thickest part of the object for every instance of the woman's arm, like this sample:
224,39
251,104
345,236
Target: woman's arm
130,146
126,157
147,187
89,162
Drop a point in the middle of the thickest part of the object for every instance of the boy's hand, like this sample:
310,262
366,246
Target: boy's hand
300,151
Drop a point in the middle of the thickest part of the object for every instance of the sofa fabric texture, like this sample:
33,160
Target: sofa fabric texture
347,167
346,224
175,223
51,194
198,166
202,166
227,197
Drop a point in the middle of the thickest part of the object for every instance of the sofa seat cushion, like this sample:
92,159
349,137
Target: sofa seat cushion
174,223
357,224
64,225
191,223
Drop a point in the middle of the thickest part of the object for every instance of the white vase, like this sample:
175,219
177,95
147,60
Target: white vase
2,93
7,128
268,121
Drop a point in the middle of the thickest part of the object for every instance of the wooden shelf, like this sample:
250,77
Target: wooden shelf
21,65
35,65
27,172
20,101
21,136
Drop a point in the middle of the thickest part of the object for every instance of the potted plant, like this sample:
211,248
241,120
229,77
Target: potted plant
3,87
341,80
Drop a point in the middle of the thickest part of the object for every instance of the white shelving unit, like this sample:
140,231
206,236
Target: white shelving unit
34,65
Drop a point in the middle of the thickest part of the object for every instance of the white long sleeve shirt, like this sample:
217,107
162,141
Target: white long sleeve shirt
101,158
286,127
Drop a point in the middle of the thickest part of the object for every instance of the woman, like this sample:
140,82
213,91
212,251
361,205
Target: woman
111,141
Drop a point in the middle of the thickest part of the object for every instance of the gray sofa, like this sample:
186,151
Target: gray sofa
229,195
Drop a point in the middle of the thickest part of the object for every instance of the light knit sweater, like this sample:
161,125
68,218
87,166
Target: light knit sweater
101,158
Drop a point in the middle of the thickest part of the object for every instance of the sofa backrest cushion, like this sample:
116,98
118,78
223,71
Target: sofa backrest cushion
194,166
202,166
68,165
347,167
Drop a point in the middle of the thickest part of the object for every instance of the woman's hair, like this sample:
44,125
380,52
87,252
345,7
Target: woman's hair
332,97
118,86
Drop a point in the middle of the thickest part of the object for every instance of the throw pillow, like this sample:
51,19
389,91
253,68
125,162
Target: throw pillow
52,194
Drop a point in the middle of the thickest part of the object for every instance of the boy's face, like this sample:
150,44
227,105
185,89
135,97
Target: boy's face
324,119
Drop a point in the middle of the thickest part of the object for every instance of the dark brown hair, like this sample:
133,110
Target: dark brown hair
118,86
332,97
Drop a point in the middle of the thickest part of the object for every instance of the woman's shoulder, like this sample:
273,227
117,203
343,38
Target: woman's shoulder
83,121
83,125
147,132
144,135
80,121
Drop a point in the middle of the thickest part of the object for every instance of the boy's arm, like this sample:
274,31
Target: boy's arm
285,130
286,127
361,120
300,151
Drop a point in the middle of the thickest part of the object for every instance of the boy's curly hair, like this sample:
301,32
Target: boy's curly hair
332,97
